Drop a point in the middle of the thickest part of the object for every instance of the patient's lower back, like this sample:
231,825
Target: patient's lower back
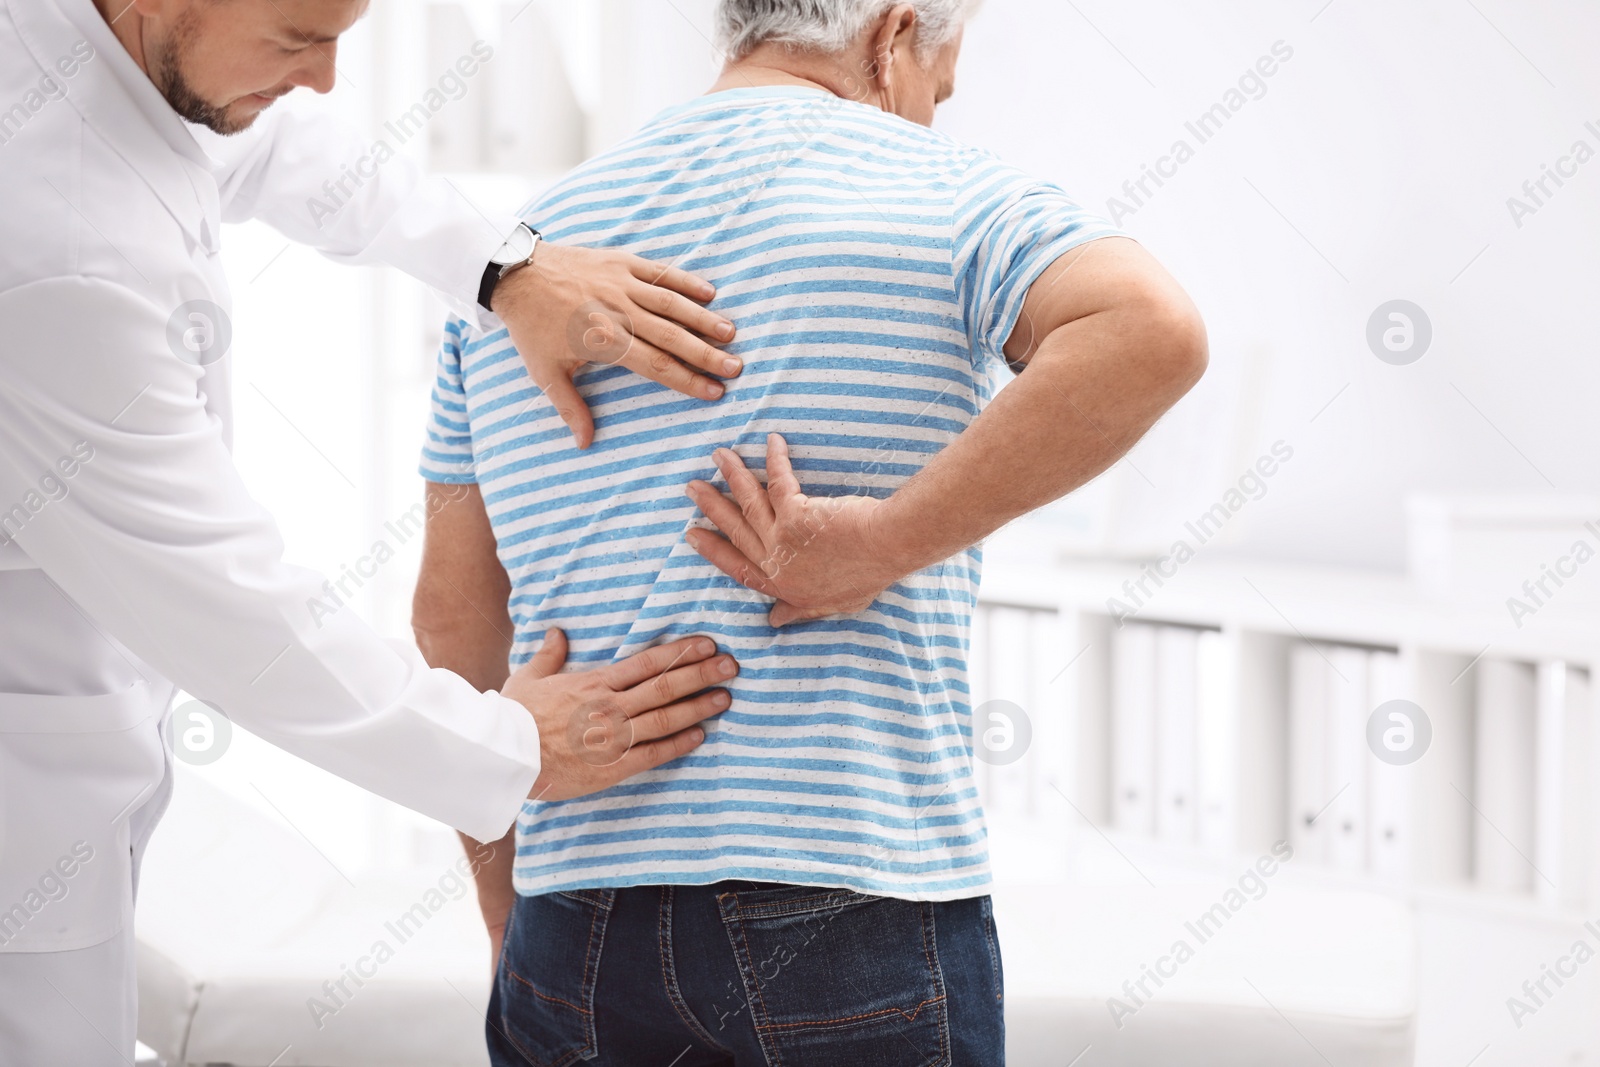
870,269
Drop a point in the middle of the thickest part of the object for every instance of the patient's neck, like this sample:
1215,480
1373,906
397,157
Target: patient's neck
776,65
746,75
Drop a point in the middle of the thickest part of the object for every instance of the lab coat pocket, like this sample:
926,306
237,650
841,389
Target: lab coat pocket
72,770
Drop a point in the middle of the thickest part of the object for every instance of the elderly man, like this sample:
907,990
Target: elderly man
809,886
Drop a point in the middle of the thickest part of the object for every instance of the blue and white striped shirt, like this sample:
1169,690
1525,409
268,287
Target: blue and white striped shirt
875,269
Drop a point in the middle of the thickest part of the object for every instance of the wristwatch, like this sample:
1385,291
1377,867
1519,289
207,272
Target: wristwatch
517,252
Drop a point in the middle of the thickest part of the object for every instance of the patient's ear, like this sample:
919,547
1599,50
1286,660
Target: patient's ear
896,31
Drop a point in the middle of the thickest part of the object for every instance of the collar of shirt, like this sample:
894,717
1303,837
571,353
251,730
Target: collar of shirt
124,107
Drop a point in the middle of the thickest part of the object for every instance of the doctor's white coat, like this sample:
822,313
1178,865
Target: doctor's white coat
132,559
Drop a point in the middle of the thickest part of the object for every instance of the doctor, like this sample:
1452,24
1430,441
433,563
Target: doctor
132,559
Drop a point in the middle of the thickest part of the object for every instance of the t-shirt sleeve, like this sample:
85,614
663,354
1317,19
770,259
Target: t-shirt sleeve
1008,228
447,453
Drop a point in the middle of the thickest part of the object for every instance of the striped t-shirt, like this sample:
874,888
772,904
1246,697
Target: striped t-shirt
875,270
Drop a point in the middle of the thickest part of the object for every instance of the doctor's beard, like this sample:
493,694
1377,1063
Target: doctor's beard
180,95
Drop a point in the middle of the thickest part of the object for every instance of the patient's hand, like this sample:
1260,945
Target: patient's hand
818,556
599,727
576,306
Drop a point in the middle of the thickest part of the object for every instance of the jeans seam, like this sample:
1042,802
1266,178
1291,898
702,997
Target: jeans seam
546,996
801,905
669,975
741,954
930,952
911,1018
989,938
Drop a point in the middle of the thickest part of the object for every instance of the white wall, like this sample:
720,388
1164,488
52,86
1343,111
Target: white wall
1390,141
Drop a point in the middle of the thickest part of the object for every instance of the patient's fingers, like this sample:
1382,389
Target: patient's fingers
747,490
687,313
781,481
572,408
729,560
652,662
676,684
663,722
728,518
679,281
784,613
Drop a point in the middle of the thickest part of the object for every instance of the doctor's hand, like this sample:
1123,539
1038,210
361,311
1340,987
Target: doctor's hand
818,556
599,727
576,306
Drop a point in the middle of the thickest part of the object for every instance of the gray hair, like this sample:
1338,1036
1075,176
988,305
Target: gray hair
829,26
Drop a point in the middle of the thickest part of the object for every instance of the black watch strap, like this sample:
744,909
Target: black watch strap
491,278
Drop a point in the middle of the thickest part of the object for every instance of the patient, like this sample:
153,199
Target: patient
810,886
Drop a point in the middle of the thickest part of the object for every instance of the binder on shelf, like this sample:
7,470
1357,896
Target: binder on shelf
1217,753
1503,785
1082,671
1348,711
1389,809
1176,720
1310,706
1443,685
1010,678
1562,816
1133,723
1255,691
1049,762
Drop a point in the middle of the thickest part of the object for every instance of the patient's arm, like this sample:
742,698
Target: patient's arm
462,624
1110,342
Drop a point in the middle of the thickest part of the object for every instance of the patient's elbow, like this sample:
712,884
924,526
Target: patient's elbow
431,623
1175,340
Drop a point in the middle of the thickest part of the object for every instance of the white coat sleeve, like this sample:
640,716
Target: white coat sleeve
155,536
318,182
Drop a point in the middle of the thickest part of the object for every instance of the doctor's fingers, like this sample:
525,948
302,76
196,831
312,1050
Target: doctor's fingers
572,408
668,354
674,685
672,307
551,657
652,754
675,718
655,661
673,278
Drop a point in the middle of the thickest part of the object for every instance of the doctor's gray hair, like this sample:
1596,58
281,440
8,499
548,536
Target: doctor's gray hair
830,26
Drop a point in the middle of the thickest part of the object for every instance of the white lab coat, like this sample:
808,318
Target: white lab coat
135,560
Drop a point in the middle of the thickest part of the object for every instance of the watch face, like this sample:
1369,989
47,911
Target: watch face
517,249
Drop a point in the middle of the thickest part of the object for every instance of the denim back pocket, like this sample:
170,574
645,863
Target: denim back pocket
548,973
838,979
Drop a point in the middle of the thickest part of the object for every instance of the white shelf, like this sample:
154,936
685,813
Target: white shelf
1351,606
1442,813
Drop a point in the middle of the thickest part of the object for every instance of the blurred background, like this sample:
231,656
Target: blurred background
1332,618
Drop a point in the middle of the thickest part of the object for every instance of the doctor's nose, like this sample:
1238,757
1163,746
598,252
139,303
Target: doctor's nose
319,73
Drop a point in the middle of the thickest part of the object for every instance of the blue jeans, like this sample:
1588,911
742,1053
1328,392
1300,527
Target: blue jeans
746,974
